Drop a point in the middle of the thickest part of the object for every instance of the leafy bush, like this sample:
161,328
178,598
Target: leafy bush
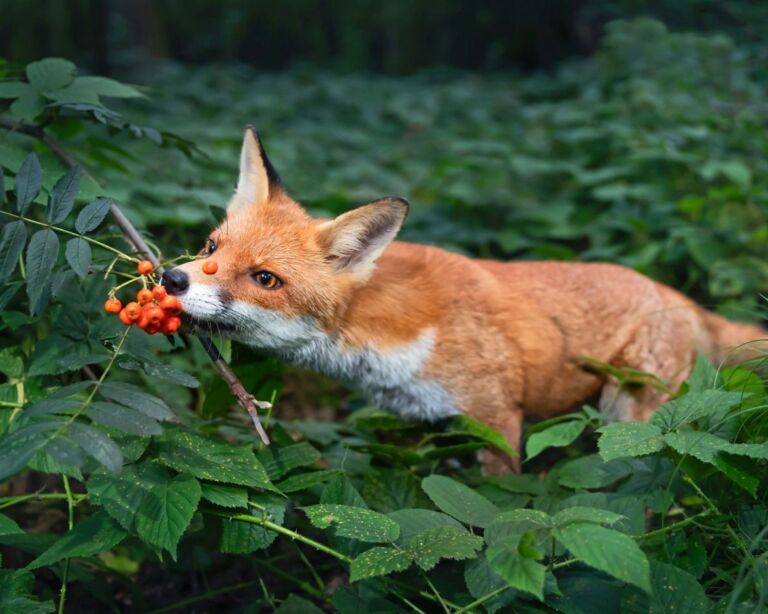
130,484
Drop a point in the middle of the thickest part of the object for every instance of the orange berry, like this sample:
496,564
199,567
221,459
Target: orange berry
112,305
124,318
171,325
159,293
210,267
154,314
144,296
171,305
143,321
152,328
145,267
133,311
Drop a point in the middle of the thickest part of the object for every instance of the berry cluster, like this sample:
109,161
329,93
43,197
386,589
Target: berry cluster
154,311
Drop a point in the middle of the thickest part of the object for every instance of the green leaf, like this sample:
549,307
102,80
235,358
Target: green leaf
521,573
673,590
482,580
240,537
225,496
42,252
135,397
608,550
14,89
92,215
63,196
585,514
17,593
211,460
431,545
28,106
692,406
465,424
622,439
536,517
95,534
280,461
166,512
12,240
123,419
89,90
50,74
459,501
355,522
415,521
17,448
303,481
379,561
78,254
98,445
9,526
556,436
298,605
122,495
28,182
698,444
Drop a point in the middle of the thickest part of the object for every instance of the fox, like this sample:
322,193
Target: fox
429,333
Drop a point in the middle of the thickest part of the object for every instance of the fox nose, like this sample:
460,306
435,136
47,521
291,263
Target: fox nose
175,281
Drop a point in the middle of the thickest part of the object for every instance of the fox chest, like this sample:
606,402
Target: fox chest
392,379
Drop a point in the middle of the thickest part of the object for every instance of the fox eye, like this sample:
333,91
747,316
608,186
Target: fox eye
210,247
267,280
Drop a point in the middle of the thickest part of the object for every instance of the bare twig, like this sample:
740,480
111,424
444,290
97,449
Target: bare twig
132,236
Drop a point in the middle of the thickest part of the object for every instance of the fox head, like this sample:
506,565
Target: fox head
283,277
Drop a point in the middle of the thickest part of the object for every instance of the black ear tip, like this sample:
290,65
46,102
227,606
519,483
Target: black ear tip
404,204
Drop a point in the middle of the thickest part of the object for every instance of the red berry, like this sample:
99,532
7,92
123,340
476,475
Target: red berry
113,305
171,325
124,318
210,267
159,293
145,267
152,328
171,305
154,314
144,296
132,311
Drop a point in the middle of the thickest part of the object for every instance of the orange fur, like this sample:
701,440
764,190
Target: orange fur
510,339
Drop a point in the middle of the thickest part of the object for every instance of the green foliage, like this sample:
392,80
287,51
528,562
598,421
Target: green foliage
638,158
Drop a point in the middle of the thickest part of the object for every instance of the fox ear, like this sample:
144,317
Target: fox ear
354,240
258,178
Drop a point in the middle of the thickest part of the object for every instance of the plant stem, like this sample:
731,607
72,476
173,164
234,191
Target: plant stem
71,234
207,595
70,526
673,526
267,524
15,500
435,592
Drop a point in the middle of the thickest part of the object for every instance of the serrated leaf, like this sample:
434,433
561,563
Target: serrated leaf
585,514
18,447
92,215
520,573
135,397
432,545
302,481
354,522
622,439
536,517
78,255
12,240
280,461
240,537
8,526
698,444
481,580
673,590
164,515
225,496
95,534
14,89
379,561
42,252
607,550
63,195
459,501
17,593
211,460
693,406
122,495
465,424
89,90
556,436
50,74
414,521
98,445
28,182
123,419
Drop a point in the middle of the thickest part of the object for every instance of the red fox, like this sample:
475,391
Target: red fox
428,333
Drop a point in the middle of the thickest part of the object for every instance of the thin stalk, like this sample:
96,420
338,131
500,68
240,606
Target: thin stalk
435,592
309,566
673,527
15,500
304,586
70,525
207,595
114,250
